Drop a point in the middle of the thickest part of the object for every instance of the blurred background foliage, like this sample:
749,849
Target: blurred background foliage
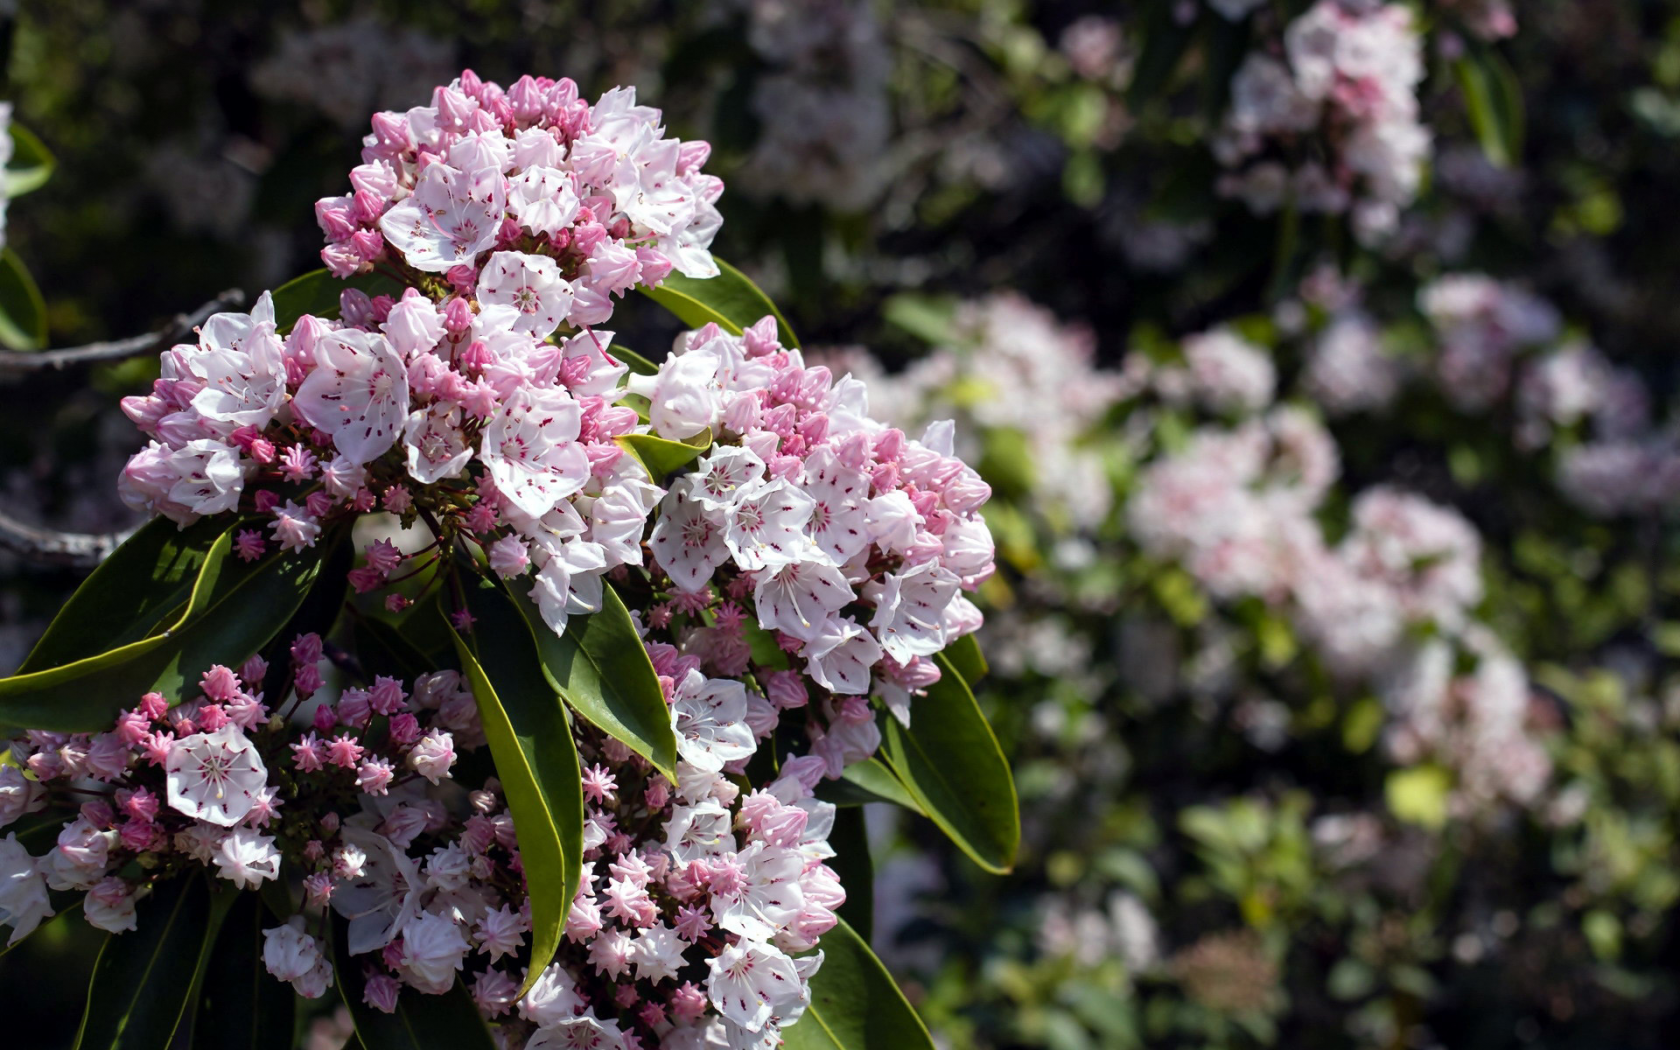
1195,407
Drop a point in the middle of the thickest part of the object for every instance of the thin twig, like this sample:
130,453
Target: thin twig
115,350
77,549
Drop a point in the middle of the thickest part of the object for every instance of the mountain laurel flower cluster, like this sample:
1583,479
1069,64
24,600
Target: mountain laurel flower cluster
1345,85
233,782
850,541
776,574
572,203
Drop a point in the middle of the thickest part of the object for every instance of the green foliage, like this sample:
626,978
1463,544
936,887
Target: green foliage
317,293
146,980
600,667
234,608
854,1003
661,457
730,299
241,1006
23,313
531,742
31,165
950,761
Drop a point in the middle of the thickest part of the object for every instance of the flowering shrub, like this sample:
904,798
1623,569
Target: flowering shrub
571,763
1314,356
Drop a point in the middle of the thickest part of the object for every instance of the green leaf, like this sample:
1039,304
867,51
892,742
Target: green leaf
854,1003
241,1005
420,1022
950,761
145,979
317,293
929,318
23,313
1419,795
1493,102
661,457
531,741
868,781
602,669
125,599
1165,41
234,609
730,299
850,841
382,649
965,655
31,165
639,365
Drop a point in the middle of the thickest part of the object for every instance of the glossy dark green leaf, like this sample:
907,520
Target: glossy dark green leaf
950,761
144,979
23,313
420,1022
531,741
31,165
854,1003
660,457
126,598
850,840
965,655
868,781
317,293
1493,102
383,649
241,1006
602,669
234,609
639,365
730,299
1165,40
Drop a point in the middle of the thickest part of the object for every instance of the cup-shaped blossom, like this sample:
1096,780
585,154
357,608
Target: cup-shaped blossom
215,777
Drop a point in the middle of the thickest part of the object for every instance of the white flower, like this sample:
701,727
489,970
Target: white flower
768,895
433,755
711,721
839,657
451,217
434,444
767,524
23,892
688,541
79,858
798,597
658,954
569,582
383,898
530,284
721,475
208,476
530,448
909,610
288,952
247,859
215,776
109,906
839,520
358,393
698,831
582,1032
552,998
542,198
683,396
240,361
433,949
18,795
749,980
